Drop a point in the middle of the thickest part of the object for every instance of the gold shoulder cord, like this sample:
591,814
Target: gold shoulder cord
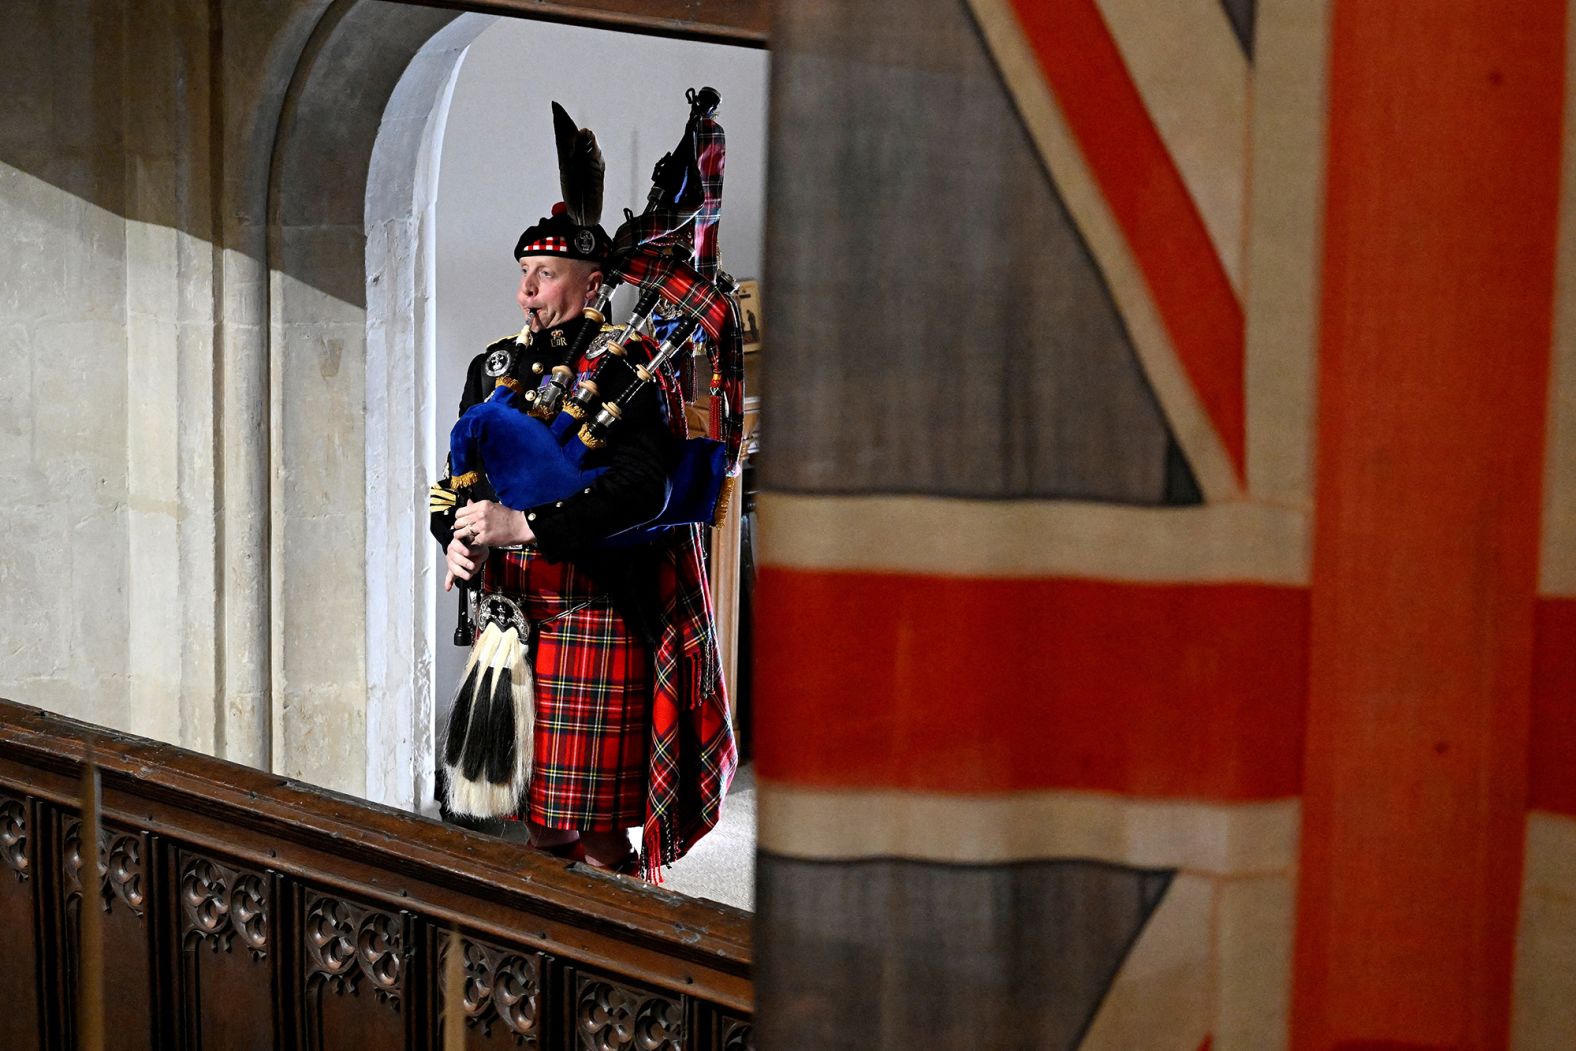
441,498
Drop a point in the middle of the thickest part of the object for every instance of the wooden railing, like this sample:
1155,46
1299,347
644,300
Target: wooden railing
241,910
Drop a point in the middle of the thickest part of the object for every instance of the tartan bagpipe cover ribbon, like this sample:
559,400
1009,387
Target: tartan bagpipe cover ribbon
643,246
682,285
667,224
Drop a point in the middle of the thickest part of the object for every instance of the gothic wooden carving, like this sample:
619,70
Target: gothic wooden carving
220,904
737,1035
13,837
501,986
119,864
242,911
612,1017
347,945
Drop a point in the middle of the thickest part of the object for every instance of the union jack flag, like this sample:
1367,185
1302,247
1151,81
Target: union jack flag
1287,766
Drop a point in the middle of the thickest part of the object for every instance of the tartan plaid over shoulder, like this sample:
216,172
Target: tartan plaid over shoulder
693,753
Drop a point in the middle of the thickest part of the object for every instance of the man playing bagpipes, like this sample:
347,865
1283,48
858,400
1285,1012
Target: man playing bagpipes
592,699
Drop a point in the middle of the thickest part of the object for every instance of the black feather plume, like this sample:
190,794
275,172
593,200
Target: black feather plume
580,169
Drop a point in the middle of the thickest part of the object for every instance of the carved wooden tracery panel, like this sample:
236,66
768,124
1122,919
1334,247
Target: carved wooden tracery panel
613,1017
119,863
204,944
220,904
348,945
737,1035
14,837
501,986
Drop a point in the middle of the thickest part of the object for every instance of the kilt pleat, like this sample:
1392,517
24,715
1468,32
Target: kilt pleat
593,696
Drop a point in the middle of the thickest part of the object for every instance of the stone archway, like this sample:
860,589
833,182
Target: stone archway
401,421
346,298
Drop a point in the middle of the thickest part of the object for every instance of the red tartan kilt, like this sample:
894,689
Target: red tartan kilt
593,697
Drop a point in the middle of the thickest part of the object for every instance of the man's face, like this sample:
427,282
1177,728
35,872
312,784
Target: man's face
557,288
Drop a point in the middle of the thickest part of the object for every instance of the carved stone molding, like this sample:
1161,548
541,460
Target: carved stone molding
220,904
737,1035
612,1017
119,862
347,945
14,837
502,986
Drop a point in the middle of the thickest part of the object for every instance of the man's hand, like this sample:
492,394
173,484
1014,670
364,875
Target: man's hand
485,523
463,560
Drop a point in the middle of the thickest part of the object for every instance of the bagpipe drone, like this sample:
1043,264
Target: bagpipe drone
529,447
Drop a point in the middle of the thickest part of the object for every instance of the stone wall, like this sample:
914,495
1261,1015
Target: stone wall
107,565
182,381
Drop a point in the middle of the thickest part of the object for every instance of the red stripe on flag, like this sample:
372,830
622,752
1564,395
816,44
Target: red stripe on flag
1438,300
1552,748
977,685
1150,201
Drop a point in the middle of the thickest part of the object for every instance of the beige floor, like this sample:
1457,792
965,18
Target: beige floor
721,867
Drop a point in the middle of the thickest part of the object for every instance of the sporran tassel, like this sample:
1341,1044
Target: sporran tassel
487,754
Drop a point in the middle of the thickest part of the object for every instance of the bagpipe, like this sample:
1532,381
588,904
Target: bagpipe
530,447
535,447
